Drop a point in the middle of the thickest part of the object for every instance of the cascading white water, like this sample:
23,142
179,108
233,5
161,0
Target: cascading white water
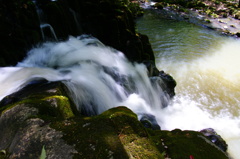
97,76
208,94
100,78
206,68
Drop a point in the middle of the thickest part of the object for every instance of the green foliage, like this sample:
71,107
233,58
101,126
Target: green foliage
214,15
237,15
208,11
207,20
206,7
135,9
43,153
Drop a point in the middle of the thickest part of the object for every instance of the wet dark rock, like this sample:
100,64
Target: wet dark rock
24,92
149,121
215,138
238,34
160,85
169,82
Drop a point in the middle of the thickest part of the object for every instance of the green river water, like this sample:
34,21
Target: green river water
206,67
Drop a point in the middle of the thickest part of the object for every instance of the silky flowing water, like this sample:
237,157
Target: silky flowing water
204,64
98,77
207,70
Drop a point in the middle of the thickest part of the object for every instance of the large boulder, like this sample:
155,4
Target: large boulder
41,119
47,119
186,144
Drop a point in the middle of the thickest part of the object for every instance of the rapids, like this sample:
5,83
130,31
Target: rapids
204,64
98,77
206,68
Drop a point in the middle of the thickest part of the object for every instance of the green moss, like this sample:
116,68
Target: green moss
93,138
214,15
4,154
207,20
115,133
49,107
237,15
136,10
181,144
63,105
119,111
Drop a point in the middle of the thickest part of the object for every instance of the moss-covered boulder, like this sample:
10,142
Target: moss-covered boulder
183,144
40,118
116,133
25,122
41,115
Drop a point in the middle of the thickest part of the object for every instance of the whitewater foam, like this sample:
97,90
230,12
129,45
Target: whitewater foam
98,77
207,94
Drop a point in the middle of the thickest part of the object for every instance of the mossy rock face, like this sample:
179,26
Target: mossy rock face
183,144
42,115
115,133
41,93
23,135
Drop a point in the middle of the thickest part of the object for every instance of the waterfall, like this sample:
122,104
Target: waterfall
98,77
76,17
47,30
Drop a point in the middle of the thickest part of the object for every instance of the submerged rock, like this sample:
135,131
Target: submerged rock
169,82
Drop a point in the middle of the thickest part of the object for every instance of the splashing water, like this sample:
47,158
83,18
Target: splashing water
208,93
206,68
98,77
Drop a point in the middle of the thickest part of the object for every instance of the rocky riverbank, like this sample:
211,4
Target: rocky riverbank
222,15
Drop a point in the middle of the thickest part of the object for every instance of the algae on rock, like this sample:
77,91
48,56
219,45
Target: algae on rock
46,117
